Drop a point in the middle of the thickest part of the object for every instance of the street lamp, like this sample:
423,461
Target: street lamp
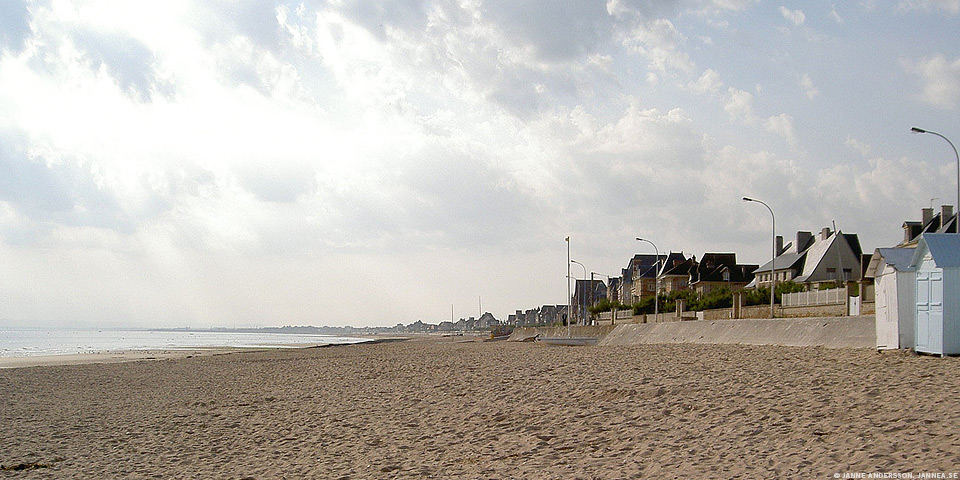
568,285
656,280
592,274
593,301
583,299
773,248
920,130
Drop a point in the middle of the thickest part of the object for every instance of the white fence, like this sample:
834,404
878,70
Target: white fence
833,296
625,314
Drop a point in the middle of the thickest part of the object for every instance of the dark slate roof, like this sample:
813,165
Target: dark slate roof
682,268
854,241
713,260
935,225
738,274
645,263
598,287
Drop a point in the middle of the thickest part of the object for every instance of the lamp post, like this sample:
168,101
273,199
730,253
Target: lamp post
656,280
583,298
773,249
920,130
601,275
568,285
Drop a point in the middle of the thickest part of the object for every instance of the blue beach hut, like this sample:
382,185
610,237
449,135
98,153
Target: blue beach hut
937,265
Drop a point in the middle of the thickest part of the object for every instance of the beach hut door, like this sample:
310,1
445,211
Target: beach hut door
929,311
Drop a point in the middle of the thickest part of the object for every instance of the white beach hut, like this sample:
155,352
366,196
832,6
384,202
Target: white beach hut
895,283
937,264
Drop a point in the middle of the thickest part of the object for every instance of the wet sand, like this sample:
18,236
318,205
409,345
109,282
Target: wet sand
440,409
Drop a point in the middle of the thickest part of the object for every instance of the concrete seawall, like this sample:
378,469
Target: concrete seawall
522,333
833,332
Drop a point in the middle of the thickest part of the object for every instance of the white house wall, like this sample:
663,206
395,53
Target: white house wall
847,260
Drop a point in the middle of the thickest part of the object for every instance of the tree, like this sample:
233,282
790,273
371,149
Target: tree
645,305
605,305
761,295
720,297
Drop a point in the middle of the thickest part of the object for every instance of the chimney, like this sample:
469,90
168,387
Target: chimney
803,239
927,216
825,233
946,212
779,244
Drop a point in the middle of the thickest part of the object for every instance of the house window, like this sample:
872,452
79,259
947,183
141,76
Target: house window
726,275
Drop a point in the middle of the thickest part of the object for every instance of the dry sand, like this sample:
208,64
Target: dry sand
488,410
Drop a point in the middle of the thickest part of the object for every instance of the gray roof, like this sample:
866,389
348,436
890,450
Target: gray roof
899,258
787,260
944,247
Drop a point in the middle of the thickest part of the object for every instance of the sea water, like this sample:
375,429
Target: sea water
33,342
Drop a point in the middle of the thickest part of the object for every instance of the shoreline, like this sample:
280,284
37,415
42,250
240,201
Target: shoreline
118,356
122,356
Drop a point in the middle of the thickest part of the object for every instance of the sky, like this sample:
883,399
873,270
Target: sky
250,163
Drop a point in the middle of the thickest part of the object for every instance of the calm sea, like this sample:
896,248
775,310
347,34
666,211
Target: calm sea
25,343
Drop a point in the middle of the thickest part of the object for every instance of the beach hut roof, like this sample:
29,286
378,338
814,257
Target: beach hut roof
943,247
898,257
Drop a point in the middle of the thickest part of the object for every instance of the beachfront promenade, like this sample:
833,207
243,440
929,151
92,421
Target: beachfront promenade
456,407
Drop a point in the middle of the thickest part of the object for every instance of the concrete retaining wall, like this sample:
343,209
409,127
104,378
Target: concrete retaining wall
834,332
523,333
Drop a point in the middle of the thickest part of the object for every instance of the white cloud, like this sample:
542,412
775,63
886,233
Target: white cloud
809,89
940,79
659,42
739,105
859,146
782,125
795,16
950,6
207,163
709,82
847,189
835,16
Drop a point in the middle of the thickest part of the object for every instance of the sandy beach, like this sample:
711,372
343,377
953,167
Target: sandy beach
439,409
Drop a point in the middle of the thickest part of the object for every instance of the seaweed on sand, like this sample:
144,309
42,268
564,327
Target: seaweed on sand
24,466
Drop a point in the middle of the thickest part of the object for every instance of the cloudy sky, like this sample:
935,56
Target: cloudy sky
343,162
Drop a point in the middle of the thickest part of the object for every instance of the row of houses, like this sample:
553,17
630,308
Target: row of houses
916,282
543,315
486,321
827,258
